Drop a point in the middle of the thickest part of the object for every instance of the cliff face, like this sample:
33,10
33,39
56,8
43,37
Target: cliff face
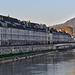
70,22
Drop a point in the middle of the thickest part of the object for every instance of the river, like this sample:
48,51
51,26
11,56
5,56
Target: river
58,63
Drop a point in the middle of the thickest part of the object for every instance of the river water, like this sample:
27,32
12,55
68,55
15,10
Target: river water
58,63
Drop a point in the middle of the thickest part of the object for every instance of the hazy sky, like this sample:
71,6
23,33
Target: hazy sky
49,12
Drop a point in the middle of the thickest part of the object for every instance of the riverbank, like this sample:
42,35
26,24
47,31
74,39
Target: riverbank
15,53
30,48
20,56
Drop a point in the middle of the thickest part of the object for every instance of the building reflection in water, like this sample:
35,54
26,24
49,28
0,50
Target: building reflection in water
59,63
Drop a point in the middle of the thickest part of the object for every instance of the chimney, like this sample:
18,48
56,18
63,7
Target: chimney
8,15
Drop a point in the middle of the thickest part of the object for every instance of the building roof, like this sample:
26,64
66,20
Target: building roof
15,23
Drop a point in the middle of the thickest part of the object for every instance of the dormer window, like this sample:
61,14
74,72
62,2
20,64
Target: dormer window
8,22
1,18
24,26
17,24
14,24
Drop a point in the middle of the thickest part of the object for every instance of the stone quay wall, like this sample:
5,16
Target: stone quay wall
27,48
19,49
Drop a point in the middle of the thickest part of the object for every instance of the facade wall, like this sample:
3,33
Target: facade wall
17,36
12,36
58,38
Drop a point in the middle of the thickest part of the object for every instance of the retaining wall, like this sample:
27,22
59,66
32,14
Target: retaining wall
18,49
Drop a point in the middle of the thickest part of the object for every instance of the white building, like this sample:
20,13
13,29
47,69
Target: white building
16,32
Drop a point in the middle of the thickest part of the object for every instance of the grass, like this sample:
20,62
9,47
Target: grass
27,53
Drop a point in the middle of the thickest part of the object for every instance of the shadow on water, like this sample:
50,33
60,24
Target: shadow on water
58,63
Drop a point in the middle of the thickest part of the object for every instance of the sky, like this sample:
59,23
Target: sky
49,12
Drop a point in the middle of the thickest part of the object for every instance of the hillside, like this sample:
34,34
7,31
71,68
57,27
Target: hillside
70,22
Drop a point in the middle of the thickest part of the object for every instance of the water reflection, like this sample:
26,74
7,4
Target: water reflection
59,63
